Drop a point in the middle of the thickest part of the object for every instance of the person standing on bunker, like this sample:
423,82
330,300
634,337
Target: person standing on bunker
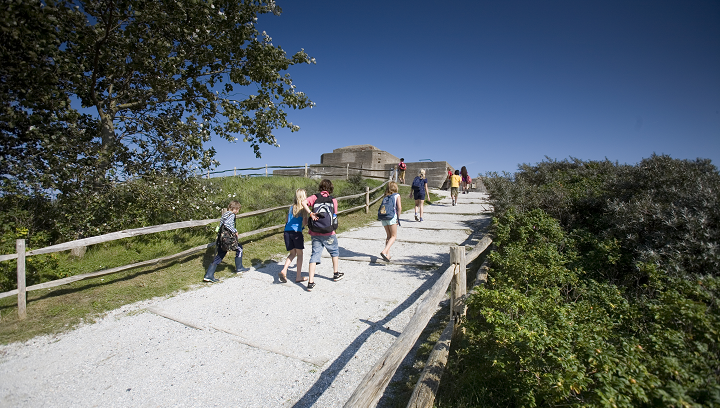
322,225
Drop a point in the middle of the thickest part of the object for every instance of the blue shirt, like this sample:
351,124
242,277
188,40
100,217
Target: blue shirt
294,223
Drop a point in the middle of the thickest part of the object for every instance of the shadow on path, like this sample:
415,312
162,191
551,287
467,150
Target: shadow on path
328,375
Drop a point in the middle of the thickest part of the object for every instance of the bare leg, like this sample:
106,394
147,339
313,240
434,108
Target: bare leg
311,272
336,262
391,231
298,277
421,203
288,261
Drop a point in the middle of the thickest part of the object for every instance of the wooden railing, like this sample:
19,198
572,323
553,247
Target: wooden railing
376,380
22,253
312,170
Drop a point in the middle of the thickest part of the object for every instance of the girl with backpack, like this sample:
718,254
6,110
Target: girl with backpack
388,214
322,225
419,192
294,240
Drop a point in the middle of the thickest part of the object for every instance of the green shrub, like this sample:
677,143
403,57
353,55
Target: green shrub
603,291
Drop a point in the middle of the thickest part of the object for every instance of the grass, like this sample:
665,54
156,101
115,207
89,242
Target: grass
55,310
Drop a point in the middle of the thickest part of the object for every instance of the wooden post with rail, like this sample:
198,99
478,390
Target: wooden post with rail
22,293
367,199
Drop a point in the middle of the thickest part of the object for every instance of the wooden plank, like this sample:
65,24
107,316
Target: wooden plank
120,235
423,395
258,231
373,384
75,278
479,249
8,257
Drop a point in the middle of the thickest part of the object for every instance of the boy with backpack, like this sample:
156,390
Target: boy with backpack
401,171
322,224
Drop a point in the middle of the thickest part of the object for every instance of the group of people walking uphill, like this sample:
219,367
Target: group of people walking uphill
319,212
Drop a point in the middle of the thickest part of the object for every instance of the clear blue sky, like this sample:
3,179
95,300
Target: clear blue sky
492,84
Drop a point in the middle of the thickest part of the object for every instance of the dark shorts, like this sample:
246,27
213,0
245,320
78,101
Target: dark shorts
419,194
294,240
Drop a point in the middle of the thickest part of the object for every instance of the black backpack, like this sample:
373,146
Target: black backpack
325,210
386,212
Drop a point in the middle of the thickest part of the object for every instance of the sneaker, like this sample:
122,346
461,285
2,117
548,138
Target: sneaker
421,219
211,280
310,287
337,276
416,217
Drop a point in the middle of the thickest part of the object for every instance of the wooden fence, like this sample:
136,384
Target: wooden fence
22,253
376,380
313,170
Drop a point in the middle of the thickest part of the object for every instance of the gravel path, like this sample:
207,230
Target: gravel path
249,341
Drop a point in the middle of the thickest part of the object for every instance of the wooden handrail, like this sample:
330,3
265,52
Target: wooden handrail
374,383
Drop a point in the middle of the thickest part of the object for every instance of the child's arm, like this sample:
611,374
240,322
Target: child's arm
307,209
398,208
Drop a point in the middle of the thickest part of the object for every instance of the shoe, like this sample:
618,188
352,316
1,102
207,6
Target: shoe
337,276
416,217
385,257
421,219
211,280
282,278
310,287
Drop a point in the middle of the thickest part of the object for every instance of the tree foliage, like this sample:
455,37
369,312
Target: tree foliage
604,289
156,78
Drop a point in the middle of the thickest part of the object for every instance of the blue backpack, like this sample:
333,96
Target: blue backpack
386,212
417,183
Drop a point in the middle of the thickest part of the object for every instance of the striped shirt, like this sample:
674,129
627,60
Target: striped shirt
228,220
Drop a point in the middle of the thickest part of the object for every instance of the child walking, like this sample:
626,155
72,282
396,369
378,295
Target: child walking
418,192
391,225
227,221
321,237
454,186
294,240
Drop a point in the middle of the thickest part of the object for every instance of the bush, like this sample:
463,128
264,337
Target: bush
603,290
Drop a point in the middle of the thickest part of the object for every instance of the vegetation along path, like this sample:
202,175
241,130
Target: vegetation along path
253,341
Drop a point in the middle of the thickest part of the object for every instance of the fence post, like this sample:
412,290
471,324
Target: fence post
234,171
305,170
208,174
266,170
367,199
22,300
459,284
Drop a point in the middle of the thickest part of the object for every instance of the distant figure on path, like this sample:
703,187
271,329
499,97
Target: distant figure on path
454,186
227,228
294,240
388,214
401,171
321,226
418,192
465,179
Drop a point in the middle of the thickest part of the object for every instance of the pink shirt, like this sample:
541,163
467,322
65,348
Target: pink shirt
311,201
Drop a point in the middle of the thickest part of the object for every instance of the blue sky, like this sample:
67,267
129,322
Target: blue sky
490,85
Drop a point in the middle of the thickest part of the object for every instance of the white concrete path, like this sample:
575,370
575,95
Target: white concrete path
249,341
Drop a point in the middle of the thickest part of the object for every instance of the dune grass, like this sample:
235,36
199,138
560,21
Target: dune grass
62,308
